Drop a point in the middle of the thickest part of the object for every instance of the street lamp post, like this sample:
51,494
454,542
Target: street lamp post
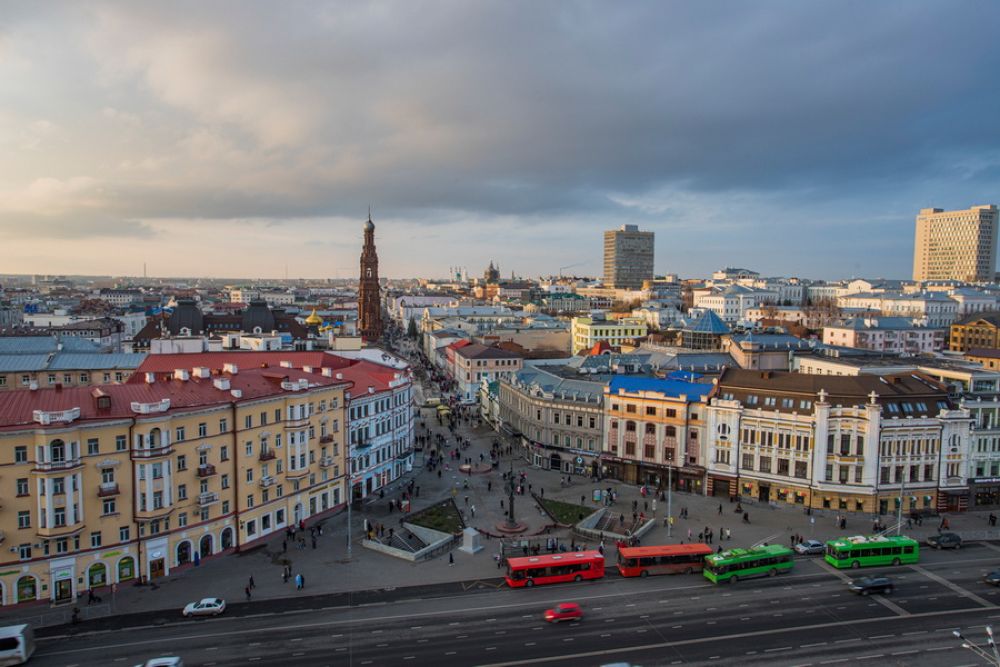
670,499
993,657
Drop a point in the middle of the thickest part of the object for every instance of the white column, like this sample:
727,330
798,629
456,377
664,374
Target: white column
49,502
148,470
79,496
167,484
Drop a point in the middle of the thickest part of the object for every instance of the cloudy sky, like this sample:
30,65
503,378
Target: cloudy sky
221,139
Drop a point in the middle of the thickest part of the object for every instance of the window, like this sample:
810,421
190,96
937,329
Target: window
249,502
24,551
829,472
747,463
225,481
859,472
109,507
24,519
182,462
224,453
650,412
121,444
182,492
95,540
22,486
20,454
249,448
248,421
182,519
250,474
123,534
801,469
93,446
783,466
223,425
179,434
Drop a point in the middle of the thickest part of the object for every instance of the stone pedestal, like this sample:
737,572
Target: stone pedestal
470,541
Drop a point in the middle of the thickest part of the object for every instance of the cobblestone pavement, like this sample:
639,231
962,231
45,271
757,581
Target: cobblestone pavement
331,567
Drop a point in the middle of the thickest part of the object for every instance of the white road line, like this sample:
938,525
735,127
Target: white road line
812,645
880,636
952,585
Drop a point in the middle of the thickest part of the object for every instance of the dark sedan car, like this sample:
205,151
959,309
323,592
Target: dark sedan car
992,578
869,585
945,541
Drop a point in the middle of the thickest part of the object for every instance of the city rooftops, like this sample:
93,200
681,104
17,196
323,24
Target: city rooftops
692,391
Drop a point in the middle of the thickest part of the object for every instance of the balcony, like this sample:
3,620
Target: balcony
57,466
108,489
206,499
267,481
63,530
266,455
403,454
326,439
326,462
206,470
154,514
152,452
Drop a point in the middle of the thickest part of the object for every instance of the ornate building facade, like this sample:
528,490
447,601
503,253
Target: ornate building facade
369,304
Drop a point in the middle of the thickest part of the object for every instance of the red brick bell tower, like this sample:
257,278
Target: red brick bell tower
369,303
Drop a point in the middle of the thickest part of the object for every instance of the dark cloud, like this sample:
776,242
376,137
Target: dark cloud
819,114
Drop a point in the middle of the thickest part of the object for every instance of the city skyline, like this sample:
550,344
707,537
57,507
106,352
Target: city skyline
205,141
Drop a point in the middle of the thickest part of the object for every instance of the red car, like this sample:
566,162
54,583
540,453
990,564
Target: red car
565,611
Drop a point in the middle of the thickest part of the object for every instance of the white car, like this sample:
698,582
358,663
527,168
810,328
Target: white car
166,661
206,607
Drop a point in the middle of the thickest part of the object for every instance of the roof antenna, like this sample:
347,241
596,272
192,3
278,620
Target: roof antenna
369,212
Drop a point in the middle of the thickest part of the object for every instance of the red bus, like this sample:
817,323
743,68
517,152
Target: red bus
554,569
662,559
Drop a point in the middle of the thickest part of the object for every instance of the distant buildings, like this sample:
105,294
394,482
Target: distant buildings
980,331
628,257
956,245
588,331
897,335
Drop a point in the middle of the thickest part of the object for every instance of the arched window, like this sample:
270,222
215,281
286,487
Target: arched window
57,451
155,439
27,588
723,431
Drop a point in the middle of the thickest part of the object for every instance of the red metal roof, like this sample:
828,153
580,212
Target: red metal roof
167,363
17,407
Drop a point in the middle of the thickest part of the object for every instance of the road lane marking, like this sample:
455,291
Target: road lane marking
952,585
812,645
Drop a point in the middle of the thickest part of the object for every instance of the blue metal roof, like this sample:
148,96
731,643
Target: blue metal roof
694,391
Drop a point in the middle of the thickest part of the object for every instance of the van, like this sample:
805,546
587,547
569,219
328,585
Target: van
17,644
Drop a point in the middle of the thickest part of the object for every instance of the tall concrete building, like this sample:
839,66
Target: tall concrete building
628,257
956,245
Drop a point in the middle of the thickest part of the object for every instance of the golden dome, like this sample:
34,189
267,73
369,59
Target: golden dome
314,319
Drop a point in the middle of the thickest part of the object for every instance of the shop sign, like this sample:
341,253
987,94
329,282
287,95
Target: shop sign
111,554
156,554
62,574
579,460
986,480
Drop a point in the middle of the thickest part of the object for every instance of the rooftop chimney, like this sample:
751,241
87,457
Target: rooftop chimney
201,372
150,378
232,369
181,374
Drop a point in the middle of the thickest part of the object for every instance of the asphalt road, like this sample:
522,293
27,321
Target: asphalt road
803,618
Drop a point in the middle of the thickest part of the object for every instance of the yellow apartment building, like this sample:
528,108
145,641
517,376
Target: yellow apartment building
106,484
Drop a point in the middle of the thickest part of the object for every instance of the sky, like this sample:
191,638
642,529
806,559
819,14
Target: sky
250,138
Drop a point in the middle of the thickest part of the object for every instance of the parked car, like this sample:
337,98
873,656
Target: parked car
992,578
869,585
810,548
165,661
564,611
205,607
945,541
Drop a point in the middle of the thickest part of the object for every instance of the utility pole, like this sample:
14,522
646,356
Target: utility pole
670,498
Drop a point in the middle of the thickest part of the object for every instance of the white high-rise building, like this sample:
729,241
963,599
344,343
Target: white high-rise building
956,245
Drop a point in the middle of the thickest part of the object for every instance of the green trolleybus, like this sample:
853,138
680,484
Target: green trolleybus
866,551
737,564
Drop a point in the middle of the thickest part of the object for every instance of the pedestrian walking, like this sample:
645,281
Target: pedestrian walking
247,589
729,534
314,542
720,509
746,517
451,559
284,546
252,584
473,510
